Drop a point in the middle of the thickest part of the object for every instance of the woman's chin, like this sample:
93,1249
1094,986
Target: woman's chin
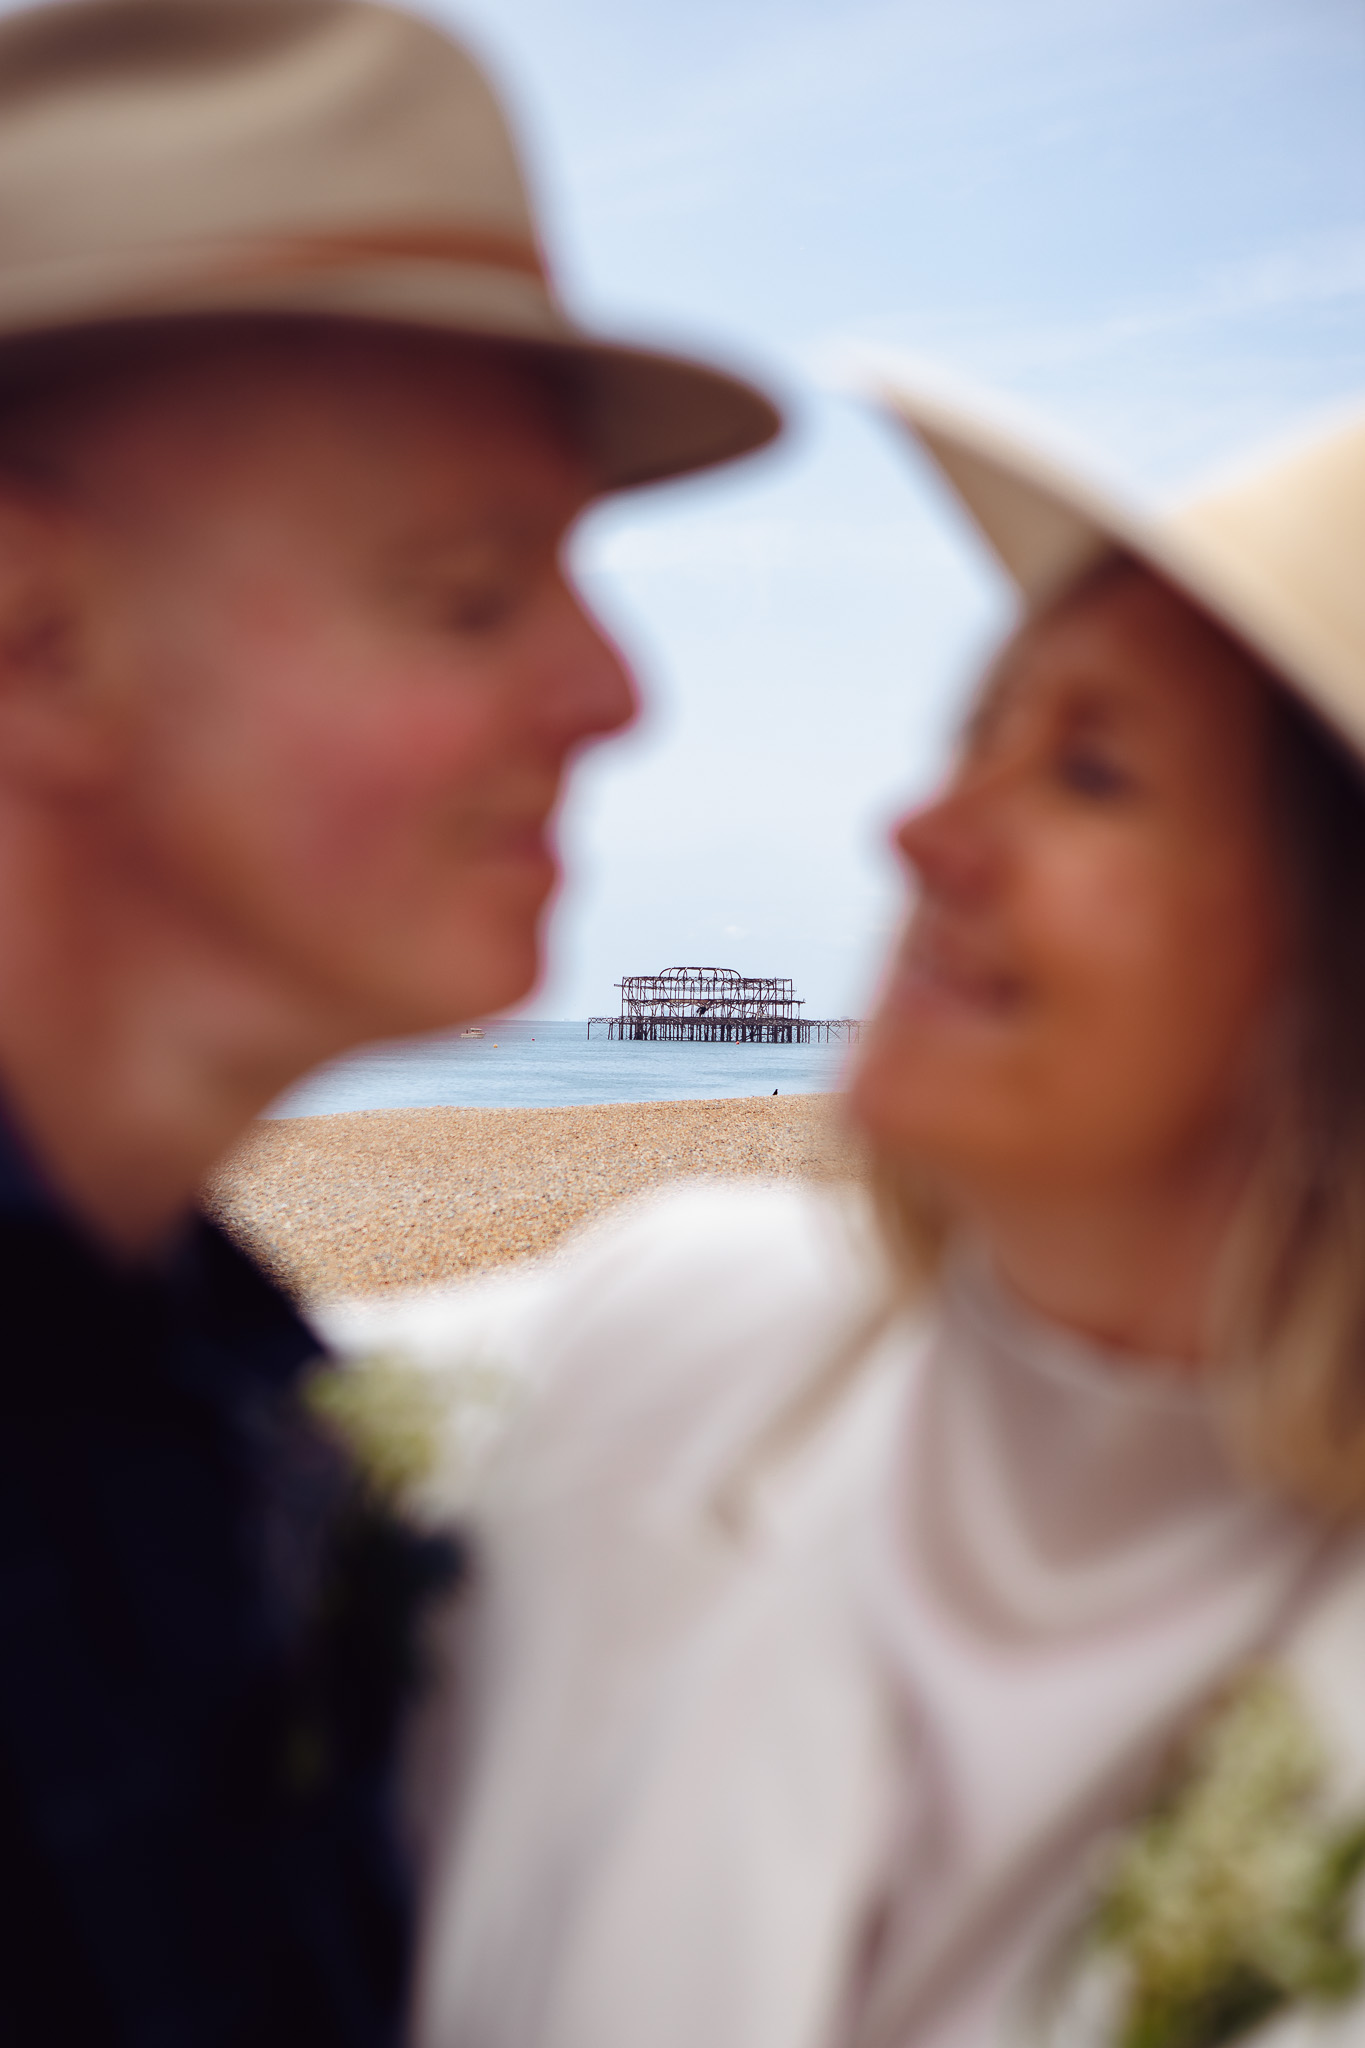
922,1099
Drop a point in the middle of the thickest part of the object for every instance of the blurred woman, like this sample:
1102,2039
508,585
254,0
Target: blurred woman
932,1616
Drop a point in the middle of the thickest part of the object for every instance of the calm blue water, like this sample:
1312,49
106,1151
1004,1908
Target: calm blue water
528,1063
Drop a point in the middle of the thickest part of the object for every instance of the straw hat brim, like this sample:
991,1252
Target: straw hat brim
1271,555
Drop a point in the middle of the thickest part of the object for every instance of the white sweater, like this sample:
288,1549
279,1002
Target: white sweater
819,1642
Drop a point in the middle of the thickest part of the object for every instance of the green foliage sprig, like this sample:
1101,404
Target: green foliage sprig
1232,1900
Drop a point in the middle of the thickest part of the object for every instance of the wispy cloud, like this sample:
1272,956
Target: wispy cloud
1163,384
910,86
1325,269
764,545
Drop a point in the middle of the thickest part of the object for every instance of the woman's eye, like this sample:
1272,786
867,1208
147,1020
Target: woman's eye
1086,771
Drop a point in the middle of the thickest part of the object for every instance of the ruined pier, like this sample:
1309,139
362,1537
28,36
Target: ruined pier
717,1005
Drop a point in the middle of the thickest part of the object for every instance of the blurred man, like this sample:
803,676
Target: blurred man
292,430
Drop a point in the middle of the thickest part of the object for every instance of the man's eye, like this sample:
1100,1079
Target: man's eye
1086,771
479,607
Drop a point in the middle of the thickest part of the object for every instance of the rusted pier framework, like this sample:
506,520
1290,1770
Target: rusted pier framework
716,1005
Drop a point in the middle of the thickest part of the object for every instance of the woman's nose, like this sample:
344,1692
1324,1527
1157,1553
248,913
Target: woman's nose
953,842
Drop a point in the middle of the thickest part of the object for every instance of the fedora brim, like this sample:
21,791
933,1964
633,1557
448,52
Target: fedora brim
647,414
1048,523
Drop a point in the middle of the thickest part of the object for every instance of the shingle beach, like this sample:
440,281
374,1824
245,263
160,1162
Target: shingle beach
357,1204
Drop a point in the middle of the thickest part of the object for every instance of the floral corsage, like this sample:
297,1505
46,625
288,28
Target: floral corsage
1231,1902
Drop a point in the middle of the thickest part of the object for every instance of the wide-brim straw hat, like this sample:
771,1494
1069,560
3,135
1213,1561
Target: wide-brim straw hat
1274,551
164,159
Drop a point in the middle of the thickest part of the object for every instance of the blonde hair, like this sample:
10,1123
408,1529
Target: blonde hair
1289,1314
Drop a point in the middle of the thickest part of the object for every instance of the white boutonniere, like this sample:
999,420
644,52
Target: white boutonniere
419,1436
1231,1901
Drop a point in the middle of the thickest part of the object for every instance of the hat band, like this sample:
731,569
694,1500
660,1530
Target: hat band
289,254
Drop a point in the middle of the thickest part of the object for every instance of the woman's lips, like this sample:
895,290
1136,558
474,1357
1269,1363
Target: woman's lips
935,974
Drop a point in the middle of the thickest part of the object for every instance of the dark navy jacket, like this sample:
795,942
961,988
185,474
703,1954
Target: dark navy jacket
182,1861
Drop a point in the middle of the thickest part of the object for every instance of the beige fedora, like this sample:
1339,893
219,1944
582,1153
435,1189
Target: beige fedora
165,158
1275,552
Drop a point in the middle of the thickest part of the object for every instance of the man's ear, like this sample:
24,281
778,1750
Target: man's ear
54,725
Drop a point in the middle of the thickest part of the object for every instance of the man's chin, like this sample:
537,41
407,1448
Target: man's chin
435,979
492,988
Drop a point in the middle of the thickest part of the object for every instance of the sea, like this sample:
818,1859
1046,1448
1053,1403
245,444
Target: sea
527,1062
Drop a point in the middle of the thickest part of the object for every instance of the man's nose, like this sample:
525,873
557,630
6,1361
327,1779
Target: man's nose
597,692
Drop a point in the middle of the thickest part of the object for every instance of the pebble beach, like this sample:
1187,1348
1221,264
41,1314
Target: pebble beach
381,1200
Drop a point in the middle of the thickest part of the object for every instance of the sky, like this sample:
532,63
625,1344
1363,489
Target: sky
1144,219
